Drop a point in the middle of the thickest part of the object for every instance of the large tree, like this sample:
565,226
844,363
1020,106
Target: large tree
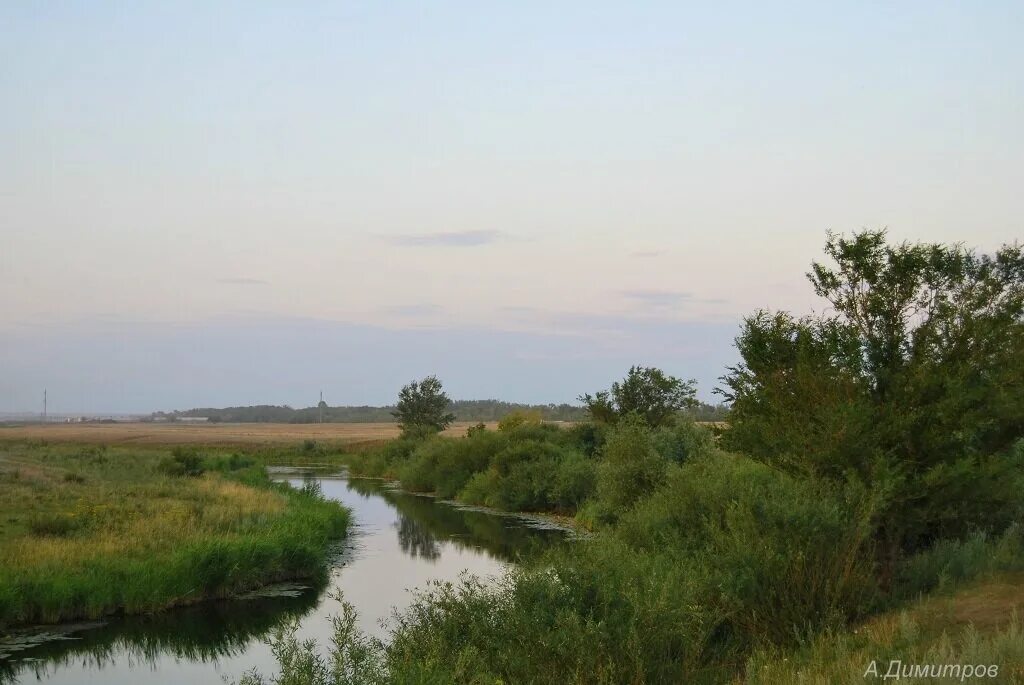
646,392
911,382
423,407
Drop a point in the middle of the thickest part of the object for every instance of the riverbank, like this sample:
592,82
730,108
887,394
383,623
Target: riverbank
87,531
978,625
707,566
398,541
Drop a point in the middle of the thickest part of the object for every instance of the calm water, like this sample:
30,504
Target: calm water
399,543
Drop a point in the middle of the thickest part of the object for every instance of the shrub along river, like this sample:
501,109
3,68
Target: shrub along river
399,542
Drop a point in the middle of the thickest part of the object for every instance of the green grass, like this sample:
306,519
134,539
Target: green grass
982,623
89,531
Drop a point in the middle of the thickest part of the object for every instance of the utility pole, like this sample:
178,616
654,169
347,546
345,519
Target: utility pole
321,406
44,405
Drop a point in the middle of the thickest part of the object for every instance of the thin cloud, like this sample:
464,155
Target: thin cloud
658,298
243,281
448,239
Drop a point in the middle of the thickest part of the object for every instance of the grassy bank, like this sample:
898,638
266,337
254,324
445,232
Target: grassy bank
85,531
979,624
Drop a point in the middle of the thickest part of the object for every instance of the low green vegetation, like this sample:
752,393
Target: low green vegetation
873,463
933,640
530,466
88,531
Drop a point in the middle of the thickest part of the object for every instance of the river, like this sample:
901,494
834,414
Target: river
399,543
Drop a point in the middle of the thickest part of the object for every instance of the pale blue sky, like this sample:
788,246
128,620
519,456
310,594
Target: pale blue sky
524,198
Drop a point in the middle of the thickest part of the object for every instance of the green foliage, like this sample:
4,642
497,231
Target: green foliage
229,463
906,638
423,407
682,440
354,658
706,559
518,418
588,437
647,393
384,461
950,563
630,469
129,539
727,556
878,456
784,554
527,466
464,410
913,384
531,475
183,462
445,465
473,430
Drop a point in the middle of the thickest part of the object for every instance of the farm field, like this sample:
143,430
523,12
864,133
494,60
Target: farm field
226,434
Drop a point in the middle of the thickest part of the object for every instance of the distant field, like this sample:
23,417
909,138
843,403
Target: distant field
210,434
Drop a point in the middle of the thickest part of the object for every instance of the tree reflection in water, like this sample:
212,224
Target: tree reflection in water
415,539
423,518
202,633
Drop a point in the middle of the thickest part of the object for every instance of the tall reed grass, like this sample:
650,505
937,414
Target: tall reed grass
128,537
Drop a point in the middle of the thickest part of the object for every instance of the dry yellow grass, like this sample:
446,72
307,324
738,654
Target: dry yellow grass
227,434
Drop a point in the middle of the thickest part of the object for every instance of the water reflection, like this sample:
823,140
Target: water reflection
415,539
508,538
202,633
400,542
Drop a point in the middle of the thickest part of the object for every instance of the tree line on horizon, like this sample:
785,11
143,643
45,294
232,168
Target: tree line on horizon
463,410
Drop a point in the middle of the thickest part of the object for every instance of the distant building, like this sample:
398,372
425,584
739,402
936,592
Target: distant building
193,419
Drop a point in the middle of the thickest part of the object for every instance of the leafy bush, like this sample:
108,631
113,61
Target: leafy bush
518,418
183,462
682,440
646,394
445,465
384,461
526,466
911,382
630,468
228,464
950,562
606,617
530,475
781,554
588,437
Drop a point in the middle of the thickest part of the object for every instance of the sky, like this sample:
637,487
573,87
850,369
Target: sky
209,204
